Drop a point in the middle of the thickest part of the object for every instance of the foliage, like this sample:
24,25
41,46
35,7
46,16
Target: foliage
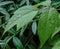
29,24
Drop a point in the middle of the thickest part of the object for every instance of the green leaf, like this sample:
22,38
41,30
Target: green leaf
47,24
2,42
22,2
3,11
6,38
27,9
34,27
56,4
46,3
12,31
55,39
27,2
57,30
17,43
57,45
24,19
37,1
5,3
20,17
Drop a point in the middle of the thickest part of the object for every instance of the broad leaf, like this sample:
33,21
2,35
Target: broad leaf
24,19
21,16
17,43
47,24
25,9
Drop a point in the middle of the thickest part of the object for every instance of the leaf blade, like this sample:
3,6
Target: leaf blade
48,21
17,43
